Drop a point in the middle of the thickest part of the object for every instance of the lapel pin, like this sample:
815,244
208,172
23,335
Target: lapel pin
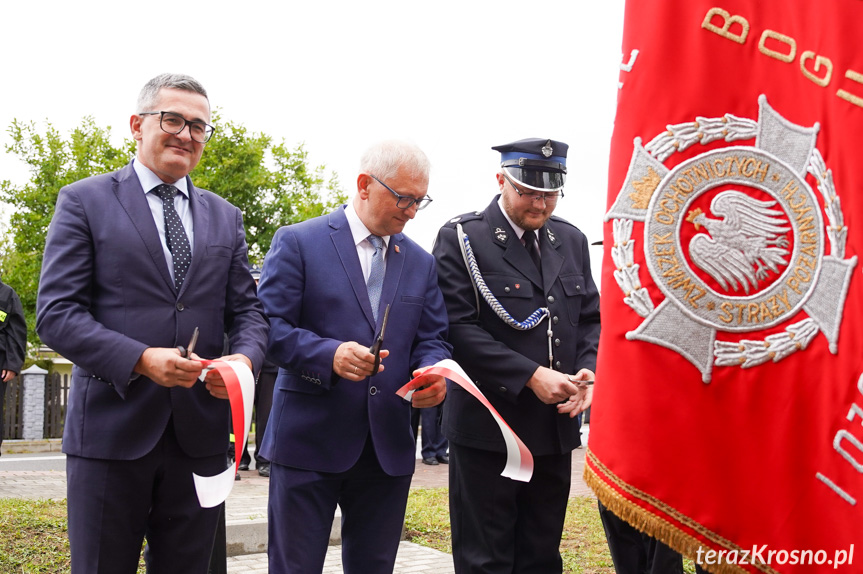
397,249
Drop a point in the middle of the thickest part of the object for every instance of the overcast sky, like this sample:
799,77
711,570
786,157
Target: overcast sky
454,77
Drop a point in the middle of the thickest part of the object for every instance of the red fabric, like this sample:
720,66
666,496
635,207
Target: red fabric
238,409
734,462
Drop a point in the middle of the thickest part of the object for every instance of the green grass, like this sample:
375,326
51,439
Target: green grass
583,546
33,537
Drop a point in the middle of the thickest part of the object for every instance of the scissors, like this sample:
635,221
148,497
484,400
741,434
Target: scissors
376,348
186,352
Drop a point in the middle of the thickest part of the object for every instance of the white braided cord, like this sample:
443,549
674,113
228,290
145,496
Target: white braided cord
531,322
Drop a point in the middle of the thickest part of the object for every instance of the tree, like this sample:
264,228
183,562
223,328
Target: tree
270,184
53,162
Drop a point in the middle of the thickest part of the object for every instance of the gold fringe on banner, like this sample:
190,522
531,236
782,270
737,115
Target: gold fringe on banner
608,490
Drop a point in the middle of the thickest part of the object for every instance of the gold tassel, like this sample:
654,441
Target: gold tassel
656,526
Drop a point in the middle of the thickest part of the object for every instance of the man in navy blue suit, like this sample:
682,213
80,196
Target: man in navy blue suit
134,261
339,434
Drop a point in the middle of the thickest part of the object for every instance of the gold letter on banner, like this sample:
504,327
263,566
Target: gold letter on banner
819,61
848,97
792,45
728,21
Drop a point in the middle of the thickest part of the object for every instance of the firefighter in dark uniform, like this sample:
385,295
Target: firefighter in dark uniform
524,325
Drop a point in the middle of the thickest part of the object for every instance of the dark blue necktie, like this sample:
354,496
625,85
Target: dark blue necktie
175,234
532,245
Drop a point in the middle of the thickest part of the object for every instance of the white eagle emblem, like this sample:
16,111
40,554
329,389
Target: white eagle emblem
741,247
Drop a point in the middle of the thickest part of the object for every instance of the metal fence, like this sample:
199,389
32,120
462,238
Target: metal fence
56,395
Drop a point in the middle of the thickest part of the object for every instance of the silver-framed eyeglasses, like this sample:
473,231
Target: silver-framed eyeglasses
405,201
173,123
550,197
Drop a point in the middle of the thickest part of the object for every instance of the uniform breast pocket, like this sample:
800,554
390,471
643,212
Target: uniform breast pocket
508,286
574,287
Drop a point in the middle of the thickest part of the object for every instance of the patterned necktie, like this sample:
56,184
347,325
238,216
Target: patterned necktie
175,234
532,246
376,275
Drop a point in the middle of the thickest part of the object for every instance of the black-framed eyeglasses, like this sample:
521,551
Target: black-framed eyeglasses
550,197
405,201
173,123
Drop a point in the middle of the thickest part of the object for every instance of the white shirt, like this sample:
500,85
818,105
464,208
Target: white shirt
360,233
150,181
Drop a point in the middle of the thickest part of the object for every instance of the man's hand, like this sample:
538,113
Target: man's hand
354,362
431,392
165,367
7,376
215,382
551,386
580,401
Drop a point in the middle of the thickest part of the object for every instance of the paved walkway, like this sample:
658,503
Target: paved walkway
246,516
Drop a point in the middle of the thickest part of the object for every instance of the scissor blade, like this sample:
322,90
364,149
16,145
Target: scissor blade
384,324
192,343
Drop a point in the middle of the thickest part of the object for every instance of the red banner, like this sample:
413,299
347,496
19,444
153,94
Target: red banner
733,429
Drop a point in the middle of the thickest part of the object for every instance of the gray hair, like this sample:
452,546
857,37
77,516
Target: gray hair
384,159
149,95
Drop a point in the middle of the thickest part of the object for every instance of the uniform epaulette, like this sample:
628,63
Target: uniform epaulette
557,219
464,217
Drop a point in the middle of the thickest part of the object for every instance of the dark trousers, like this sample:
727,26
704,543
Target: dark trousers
3,385
434,443
500,525
114,504
635,552
263,405
301,510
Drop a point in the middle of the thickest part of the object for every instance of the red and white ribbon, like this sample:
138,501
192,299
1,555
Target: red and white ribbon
519,461
240,383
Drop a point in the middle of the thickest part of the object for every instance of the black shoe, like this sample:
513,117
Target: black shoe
430,461
443,459
264,469
244,466
237,477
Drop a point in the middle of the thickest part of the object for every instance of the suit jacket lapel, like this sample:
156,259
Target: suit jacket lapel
552,261
201,219
343,241
131,196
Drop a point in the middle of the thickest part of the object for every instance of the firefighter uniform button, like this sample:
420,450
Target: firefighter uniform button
557,342
502,389
557,364
555,319
550,299
506,289
373,391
